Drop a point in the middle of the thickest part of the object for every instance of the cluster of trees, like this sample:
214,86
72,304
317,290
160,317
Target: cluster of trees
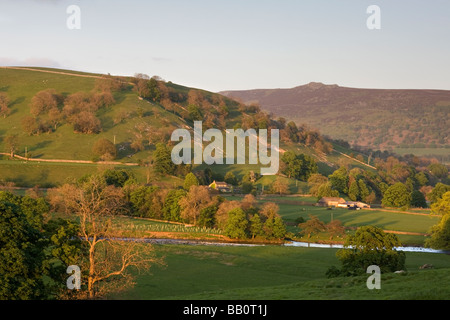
49,109
95,200
302,134
196,205
314,226
213,110
396,184
299,167
193,204
34,249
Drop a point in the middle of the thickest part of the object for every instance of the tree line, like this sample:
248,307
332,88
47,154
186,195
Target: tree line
192,204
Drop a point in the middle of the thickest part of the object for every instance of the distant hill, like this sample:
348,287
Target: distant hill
376,118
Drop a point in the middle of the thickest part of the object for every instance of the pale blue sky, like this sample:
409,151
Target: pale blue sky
237,44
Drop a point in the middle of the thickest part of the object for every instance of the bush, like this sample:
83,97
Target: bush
369,246
105,149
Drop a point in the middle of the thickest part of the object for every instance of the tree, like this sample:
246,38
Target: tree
440,233
442,206
280,186
190,180
207,216
230,178
312,226
418,200
270,210
105,149
353,191
108,262
438,170
256,226
248,203
145,203
30,125
421,179
236,224
438,191
4,105
222,212
34,250
335,229
163,160
364,191
195,113
12,143
22,259
172,208
369,246
55,116
195,200
86,122
314,182
339,180
154,92
326,190
274,228
300,166
45,100
397,196
117,178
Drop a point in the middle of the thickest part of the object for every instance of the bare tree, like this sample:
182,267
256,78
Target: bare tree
109,261
4,105
12,143
270,210
197,198
45,100
87,122
280,186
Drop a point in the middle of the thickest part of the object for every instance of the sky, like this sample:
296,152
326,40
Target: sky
236,44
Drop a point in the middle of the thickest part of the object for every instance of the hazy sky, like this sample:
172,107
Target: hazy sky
237,44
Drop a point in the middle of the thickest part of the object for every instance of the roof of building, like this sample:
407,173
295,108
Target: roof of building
327,199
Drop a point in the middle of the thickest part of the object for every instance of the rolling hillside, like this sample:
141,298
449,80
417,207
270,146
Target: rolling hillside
379,119
134,124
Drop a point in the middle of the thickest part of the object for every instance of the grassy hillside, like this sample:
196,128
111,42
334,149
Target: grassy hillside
126,119
279,273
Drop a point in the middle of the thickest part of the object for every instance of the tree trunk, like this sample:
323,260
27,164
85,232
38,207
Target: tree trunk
91,272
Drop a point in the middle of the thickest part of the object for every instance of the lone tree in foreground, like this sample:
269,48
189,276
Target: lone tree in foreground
369,246
109,261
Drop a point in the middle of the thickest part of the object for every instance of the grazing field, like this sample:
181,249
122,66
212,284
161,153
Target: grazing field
49,175
292,208
442,154
278,273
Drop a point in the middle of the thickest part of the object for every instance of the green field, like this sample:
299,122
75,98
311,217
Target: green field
442,154
278,273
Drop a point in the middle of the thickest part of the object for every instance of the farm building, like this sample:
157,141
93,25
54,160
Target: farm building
357,204
341,203
221,186
331,202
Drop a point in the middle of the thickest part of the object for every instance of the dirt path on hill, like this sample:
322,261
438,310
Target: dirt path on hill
365,164
71,161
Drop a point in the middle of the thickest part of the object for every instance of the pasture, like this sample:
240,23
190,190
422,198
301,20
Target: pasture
278,273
